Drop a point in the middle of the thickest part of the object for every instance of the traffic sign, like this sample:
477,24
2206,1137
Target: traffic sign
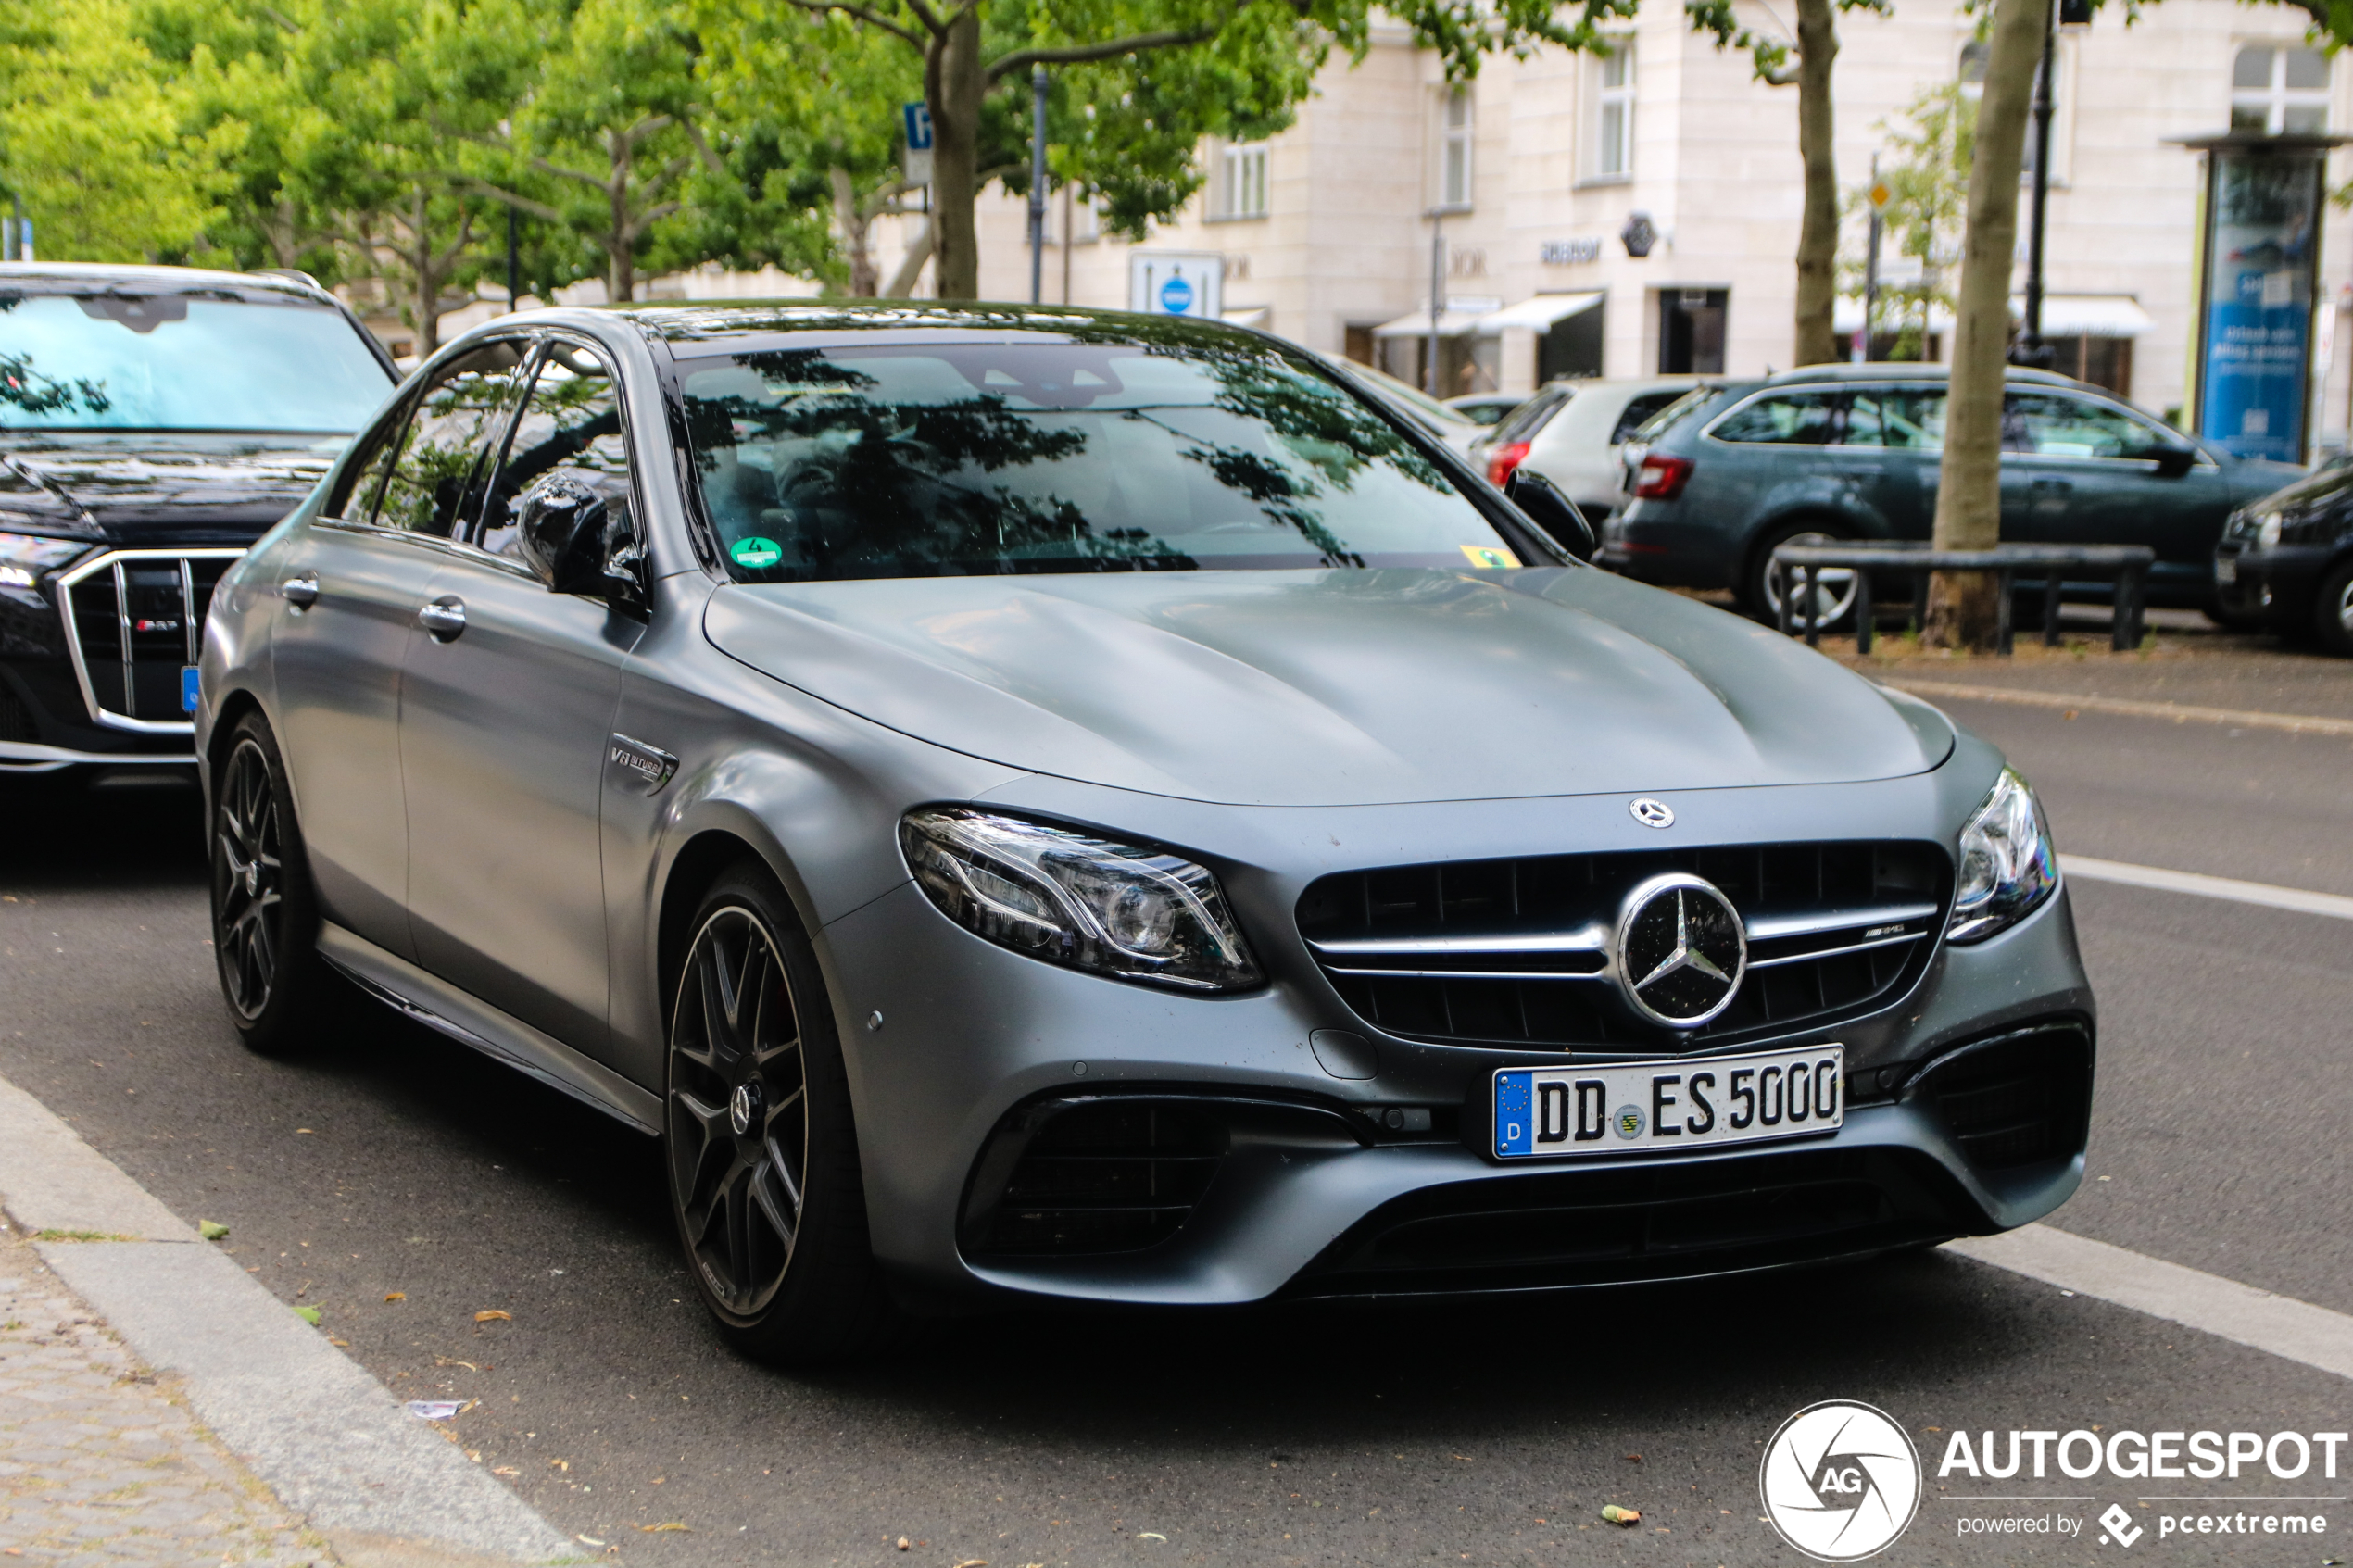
915,161
1881,195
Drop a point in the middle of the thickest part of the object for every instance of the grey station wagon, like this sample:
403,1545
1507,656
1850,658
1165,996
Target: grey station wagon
1853,452
1060,804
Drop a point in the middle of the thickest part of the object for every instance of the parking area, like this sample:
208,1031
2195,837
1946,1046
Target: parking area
403,1186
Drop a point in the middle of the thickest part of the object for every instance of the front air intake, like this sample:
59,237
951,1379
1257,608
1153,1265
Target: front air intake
1078,1177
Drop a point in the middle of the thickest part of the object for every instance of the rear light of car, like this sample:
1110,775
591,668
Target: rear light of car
1662,478
1500,461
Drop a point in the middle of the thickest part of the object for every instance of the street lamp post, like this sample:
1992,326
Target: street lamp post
2030,349
1036,183
1437,299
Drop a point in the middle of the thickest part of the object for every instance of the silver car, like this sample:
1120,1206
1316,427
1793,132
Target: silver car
1076,804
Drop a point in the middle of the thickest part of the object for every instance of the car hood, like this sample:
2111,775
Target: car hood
1295,689
161,487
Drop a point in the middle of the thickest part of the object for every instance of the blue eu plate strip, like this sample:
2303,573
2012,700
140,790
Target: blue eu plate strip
1515,1112
187,688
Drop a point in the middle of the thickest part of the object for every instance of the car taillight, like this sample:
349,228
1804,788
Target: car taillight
1662,478
1500,461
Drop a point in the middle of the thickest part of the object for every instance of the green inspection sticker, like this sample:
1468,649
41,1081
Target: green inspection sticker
756,554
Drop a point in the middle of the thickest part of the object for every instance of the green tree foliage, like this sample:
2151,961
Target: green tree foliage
91,141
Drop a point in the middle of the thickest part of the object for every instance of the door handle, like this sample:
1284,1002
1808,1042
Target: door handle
445,618
302,591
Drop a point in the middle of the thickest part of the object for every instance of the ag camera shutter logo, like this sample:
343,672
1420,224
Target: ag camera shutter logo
1840,1481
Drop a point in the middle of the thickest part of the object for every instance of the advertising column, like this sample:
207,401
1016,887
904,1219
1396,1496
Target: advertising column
2263,211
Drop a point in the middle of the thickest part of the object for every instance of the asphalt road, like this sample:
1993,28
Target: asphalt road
394,1163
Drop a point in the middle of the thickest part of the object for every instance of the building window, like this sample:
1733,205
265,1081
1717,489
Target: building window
1241,181
1455,150
1973,61
1609,139
1691,331
2276,89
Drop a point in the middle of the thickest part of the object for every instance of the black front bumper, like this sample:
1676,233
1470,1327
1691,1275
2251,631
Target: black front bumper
2274,587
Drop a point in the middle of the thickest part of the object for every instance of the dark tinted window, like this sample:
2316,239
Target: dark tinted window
436,484
1658,424
1530,417
1639,410
1105,454
1789,419
570,424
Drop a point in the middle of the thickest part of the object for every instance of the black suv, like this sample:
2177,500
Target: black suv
154,420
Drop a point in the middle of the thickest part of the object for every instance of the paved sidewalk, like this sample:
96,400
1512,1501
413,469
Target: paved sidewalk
100,1463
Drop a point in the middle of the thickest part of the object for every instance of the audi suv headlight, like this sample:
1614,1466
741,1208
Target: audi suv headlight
2008,865
1121,910
24,556
2267,530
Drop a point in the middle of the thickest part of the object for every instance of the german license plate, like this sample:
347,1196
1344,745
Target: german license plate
188,688
1547,1112
2226,569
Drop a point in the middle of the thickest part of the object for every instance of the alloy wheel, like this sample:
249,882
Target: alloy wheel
1833,588
2345,607
738,1112
248,893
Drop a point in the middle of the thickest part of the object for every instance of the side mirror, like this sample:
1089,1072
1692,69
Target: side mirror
2173,462
560,529
1551,510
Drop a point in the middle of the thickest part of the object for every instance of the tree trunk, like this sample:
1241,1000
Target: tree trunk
955,86
422,273
1817,342
865,278
620,269
1962,607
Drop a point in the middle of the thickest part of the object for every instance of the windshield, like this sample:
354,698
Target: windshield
176,361
950,458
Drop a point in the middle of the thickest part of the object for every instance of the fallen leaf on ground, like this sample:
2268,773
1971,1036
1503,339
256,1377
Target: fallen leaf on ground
506,1470
308,1315
494,1315
1617,1515
344,1343
1156,1536
657,1529
973,1562
905,1545
212,1230
444,1360
560,1465
395,1295
587,1540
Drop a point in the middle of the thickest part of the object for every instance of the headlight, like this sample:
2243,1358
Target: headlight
24,556
2267,530
1116,908
2007,866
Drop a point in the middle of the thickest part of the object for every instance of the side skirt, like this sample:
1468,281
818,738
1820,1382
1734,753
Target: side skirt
438,1004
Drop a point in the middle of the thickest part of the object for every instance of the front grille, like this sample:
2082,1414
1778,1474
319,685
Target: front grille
1660,1221
1516,952
134,619
1068,1178
2020,1099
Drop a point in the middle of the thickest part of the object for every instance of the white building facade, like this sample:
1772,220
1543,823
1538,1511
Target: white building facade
1532,174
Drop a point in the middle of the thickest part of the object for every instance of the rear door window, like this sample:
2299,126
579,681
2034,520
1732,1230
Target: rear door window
1904,419
435,486
1784,418
2053,424
1524,421
1639,410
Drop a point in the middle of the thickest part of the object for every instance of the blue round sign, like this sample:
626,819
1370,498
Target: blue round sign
1175,296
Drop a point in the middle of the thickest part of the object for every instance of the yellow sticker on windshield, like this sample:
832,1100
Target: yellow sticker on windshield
1487,555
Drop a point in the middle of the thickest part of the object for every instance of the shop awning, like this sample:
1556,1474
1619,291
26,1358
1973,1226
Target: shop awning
1451,323
1538,314
2087,315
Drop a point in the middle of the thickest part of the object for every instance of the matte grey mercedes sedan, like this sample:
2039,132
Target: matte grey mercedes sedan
1029,801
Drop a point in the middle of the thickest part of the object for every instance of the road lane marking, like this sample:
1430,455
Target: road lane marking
2294,723
2279,1325
2296,898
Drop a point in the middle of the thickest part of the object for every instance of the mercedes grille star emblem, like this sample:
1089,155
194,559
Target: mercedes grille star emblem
1652,813
1682,950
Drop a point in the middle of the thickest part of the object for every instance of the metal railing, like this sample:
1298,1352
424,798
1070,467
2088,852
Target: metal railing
2126,566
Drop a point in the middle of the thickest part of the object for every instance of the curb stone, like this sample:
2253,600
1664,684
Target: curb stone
382,1489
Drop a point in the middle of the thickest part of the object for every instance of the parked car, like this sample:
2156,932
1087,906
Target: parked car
153,421
1853,451
1538,407
1577,446
2285,562
1485,409
1051,804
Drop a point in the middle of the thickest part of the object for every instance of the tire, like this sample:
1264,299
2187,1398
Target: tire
2332,611
760,1147
265,911
1760,596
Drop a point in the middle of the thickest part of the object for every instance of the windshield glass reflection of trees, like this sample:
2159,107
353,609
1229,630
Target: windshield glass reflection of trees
946,459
